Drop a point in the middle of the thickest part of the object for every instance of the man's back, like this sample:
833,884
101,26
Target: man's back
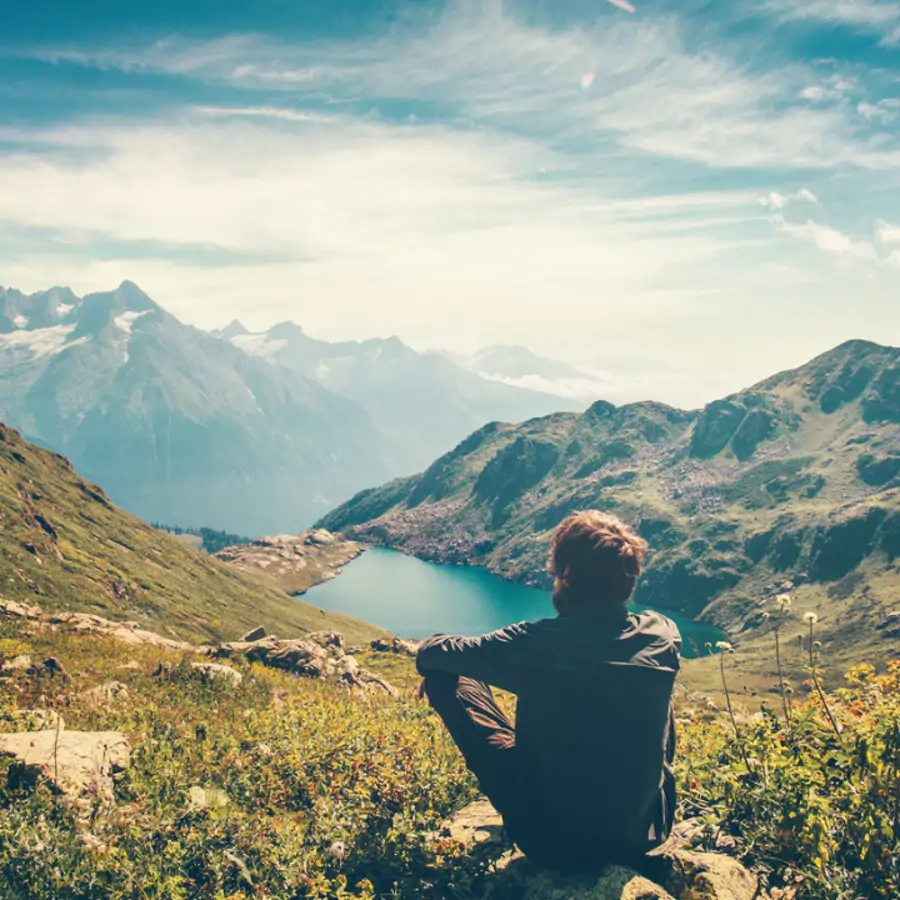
592,725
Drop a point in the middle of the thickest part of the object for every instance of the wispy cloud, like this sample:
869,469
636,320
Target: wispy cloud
630,81
829,240
775,201
475,176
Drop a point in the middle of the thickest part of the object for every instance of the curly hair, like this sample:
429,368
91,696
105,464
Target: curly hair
595,559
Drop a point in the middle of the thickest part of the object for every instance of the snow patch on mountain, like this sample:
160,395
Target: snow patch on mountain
41,342
258,344
125,321
65,308
20,321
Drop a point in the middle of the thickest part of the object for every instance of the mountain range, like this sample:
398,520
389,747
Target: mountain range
790,485
422,402
249,433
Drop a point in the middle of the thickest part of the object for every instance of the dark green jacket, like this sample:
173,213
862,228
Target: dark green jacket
594,729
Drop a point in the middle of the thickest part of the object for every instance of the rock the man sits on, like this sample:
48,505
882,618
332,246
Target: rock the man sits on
583,777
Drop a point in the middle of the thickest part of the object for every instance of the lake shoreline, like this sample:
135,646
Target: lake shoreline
414,598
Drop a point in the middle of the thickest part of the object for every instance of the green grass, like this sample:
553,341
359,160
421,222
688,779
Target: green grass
243,792
300,766
63,545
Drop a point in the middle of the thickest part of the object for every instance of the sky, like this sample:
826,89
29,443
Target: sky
709,187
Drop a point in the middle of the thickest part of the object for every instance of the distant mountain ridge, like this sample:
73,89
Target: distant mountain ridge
795,480
422,402
252,434
176,424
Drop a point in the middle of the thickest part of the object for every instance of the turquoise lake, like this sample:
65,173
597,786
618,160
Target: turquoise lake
415,599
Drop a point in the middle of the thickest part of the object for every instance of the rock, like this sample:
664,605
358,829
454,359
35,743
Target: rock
256,634
293,562
705,876
19,663
131,666
52,665
321,654
671,872
76,763
107,694
129,632
758,425
212,672
14,610
395,645
715,428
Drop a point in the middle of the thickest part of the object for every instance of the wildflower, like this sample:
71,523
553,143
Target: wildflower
724,646
810,618
338,850
784,601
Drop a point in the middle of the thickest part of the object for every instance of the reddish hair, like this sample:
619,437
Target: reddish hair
595,559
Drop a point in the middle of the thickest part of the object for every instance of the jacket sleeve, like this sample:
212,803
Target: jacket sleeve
498,658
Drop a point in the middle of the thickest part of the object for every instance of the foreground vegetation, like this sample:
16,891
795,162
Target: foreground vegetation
807,790
283,787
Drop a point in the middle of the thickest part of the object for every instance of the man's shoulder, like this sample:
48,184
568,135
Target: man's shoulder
651,623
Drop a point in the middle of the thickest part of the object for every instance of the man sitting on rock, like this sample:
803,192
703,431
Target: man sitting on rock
583,777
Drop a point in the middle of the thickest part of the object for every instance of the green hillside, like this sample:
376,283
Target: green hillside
66,546
793,484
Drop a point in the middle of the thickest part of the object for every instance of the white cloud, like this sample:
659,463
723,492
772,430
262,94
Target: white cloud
872,13
876,112
887,233
776,201
657,96
829,240
374,224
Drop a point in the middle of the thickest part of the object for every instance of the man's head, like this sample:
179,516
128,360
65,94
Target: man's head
595,559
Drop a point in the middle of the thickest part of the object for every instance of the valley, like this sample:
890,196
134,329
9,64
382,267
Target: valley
791,486
199,429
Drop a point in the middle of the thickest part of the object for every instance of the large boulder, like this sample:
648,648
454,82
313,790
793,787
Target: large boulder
671,873
76,763
321,654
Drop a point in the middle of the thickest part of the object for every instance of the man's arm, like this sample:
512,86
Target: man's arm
497,658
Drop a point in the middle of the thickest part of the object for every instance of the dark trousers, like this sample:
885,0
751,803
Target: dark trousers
487,740
483,734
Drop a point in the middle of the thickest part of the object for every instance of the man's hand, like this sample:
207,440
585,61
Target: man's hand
420,694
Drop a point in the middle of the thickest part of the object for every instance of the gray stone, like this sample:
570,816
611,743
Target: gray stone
107,694
211,672
672,872
256,634
76,763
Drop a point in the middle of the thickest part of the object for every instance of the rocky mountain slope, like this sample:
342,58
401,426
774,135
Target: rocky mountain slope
422,402
792,483
65,545
177,425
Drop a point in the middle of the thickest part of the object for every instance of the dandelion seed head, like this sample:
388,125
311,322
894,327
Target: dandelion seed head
784,601
724,646
338,850
810,618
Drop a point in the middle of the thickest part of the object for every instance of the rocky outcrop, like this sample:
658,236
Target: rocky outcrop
321,655
85,623
395,645
294,563
671,873
76,763
213,673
